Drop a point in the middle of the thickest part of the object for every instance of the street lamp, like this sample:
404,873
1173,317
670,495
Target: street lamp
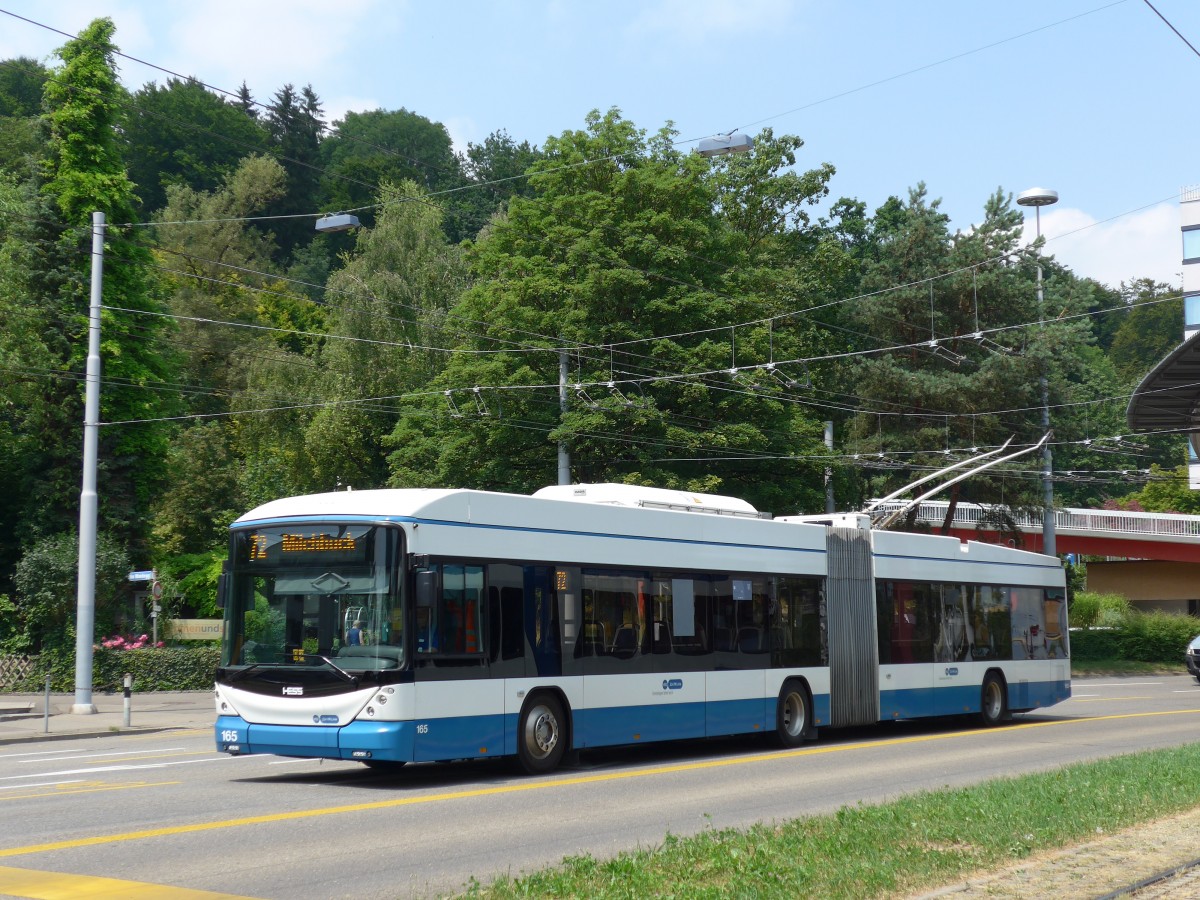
1037,198
720,144
334,222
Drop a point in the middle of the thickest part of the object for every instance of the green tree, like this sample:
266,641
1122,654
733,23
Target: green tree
22,142
601,262
388,308
46,581
1152,328
22,81
365,150
950,351
30,370
1167,491
85,172
213,265
184,134
294,125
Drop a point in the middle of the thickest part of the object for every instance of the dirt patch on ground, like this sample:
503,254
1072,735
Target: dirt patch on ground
1097,868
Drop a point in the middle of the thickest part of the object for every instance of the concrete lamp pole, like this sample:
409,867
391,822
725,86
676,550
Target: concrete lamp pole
1037,198
85,602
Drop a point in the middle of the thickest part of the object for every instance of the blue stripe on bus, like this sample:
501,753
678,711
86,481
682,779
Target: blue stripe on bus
381,740
526,529
919,703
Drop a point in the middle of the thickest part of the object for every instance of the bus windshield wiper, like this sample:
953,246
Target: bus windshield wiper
243,673
342,673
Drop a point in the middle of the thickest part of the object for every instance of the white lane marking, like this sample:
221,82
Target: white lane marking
109,753
37,753
91,770
1126,684
21,787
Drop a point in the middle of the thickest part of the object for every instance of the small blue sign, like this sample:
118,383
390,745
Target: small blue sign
147,575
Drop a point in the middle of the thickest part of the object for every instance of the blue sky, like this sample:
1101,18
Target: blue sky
1082,96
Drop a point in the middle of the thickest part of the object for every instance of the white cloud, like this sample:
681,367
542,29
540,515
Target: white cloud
336,107
463,131
267,43
1145,244
698,20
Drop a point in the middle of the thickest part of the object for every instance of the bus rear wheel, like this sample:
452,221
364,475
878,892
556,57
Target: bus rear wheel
541,740
792,714
993,707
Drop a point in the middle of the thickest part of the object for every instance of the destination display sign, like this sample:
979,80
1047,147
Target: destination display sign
323,545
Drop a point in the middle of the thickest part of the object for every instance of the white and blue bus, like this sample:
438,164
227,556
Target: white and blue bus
394,626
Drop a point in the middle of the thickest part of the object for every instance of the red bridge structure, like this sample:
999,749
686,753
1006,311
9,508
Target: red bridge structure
1152,558
1091,532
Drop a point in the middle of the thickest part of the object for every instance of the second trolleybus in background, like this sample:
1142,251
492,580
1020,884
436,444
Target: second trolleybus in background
395,626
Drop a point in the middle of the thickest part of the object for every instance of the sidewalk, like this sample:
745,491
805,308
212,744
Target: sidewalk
23,716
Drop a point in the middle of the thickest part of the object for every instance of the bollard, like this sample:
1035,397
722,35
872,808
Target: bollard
128,685
46,709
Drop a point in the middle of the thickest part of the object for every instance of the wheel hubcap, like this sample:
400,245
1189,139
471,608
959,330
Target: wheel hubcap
793,714
542,731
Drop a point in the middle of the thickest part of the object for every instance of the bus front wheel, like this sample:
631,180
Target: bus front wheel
793,714
993,701
542,739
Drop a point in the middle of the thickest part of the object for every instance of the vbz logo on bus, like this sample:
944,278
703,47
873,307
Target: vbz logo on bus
673,684
952,670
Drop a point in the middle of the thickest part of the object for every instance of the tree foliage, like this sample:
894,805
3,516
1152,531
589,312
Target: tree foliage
709,322
184,134
597,265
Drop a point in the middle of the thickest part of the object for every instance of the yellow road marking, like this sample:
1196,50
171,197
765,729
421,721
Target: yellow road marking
1106,699
523,786
61,886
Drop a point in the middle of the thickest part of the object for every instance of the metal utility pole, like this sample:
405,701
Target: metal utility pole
85,615
564,455
1037,198
829,507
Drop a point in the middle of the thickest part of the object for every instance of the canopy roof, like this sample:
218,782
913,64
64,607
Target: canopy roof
1169,397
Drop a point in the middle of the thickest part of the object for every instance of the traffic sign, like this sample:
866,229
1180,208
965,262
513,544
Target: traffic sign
145,575
156,590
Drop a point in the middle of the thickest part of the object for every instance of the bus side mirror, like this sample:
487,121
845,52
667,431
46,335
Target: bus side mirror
426,589
223,586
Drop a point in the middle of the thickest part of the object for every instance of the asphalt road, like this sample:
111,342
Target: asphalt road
167,810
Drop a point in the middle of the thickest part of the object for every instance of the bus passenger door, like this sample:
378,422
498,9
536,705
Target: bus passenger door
954,686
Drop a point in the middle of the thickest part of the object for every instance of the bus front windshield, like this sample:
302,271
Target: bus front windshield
306,594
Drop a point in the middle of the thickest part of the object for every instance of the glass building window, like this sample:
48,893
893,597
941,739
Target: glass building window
1191,244
1191,309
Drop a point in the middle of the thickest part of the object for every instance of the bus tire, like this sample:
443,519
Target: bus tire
993,700
541,734
793,713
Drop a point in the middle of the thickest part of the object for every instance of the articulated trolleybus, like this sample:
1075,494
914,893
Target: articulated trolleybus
395,626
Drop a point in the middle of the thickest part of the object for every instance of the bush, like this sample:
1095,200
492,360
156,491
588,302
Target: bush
165,669
1092,610
1157,636
1090,645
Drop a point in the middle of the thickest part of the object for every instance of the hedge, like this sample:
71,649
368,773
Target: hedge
1154,637
160,669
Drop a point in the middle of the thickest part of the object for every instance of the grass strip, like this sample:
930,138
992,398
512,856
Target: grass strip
894,849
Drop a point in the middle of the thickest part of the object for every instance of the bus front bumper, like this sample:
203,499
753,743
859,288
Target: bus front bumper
361,741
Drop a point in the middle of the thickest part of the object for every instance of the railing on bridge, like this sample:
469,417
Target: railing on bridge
1078,521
